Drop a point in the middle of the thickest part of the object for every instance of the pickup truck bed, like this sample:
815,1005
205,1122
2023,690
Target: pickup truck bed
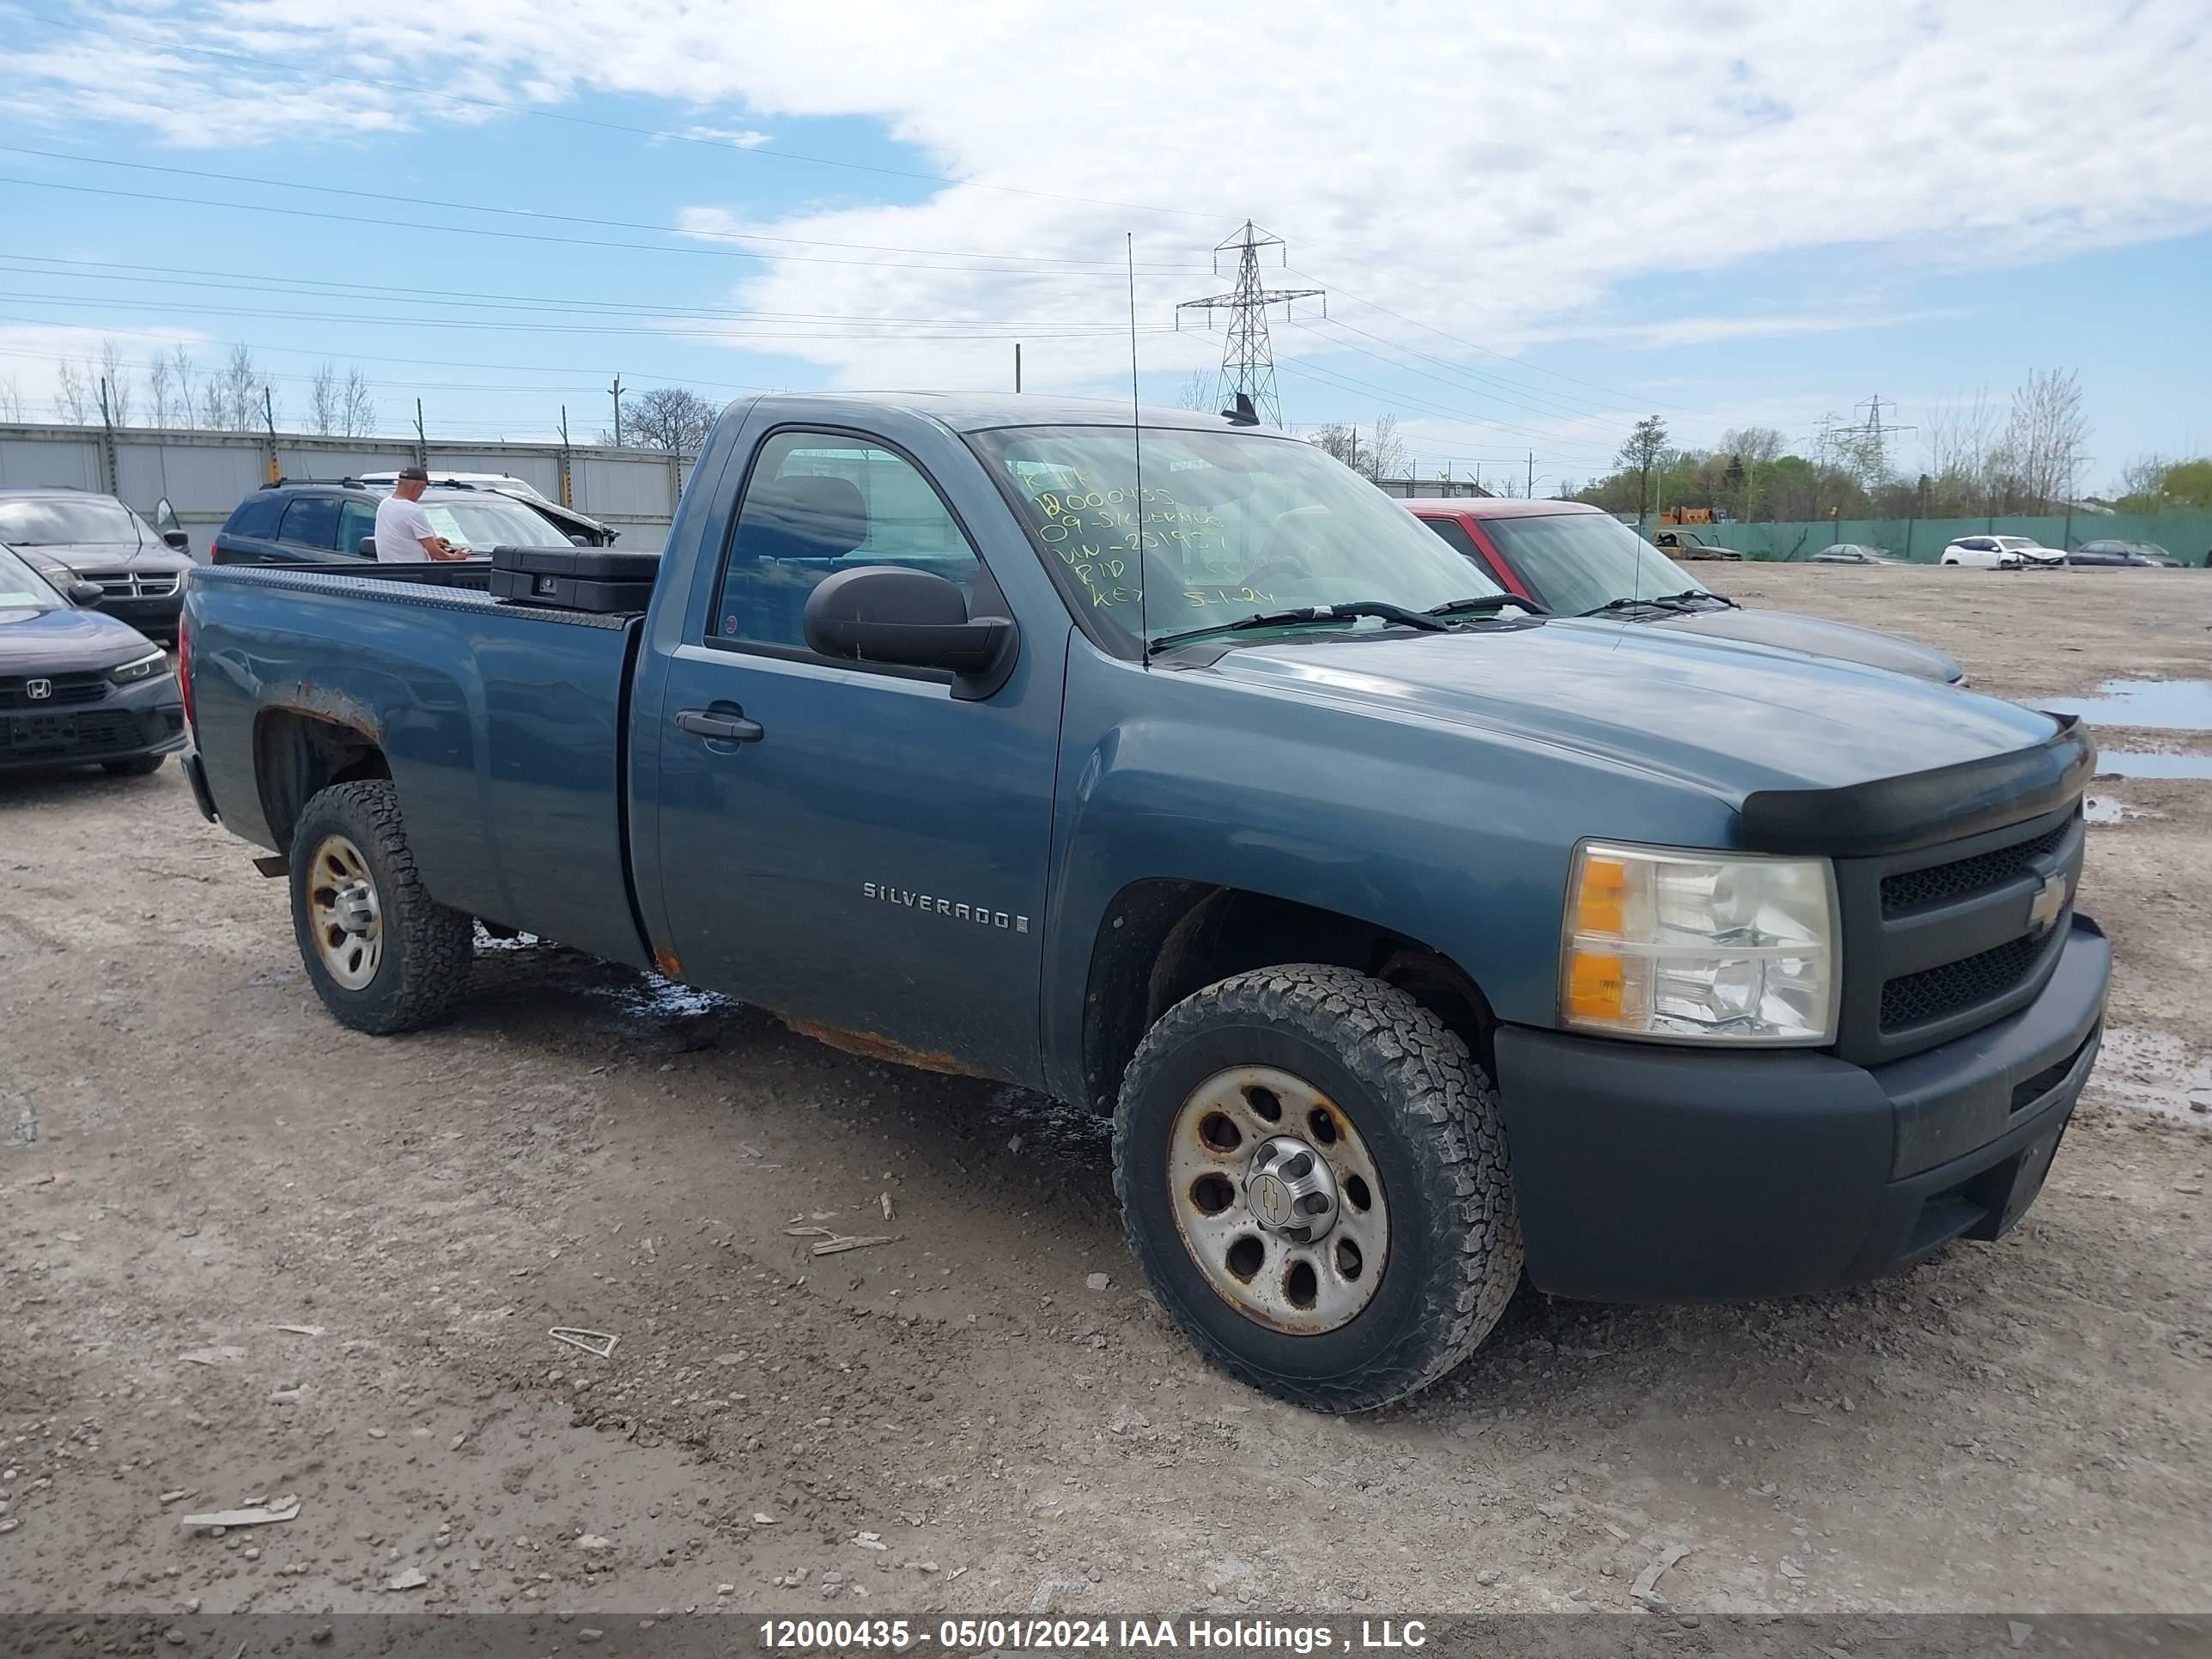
512,717
1407,936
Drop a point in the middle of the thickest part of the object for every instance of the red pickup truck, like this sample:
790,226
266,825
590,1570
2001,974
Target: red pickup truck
1575,560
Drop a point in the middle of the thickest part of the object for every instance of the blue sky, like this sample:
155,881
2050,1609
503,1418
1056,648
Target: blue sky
1722,215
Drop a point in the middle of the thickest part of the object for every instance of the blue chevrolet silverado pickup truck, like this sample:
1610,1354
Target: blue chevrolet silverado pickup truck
1410,936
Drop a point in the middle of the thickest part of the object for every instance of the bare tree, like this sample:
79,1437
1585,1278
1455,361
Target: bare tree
1196,392
323,399
1641,452
74,399
1962,455
1386,457
11,398
1754,446
2044,437
116,372
161,391
1338,442
181,366
231,399
356,408
667,418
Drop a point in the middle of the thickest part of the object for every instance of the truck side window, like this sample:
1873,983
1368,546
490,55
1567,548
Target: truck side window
817,503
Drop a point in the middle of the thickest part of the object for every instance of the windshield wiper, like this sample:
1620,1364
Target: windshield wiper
1381,609
1682,601
1488,604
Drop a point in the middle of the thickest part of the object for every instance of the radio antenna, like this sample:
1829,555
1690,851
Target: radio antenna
1136,442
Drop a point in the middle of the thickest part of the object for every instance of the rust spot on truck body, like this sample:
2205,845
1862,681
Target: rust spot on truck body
670,965
869,1046
329,708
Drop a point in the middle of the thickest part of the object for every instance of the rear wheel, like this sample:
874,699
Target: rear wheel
384,955
1313,1175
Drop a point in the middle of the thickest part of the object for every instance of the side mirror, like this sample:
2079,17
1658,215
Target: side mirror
179,539
85,594
579,540
367,546
913,619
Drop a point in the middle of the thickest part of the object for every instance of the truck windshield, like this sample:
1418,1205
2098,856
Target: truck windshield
56,522
1577,561
22,588
1227,525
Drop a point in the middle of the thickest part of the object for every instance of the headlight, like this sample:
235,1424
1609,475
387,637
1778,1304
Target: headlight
1686,946
140,668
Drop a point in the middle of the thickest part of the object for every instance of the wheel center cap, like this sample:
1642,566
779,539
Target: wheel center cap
1289,1190
356,908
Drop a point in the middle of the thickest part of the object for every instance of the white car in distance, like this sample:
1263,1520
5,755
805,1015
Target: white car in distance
1983,553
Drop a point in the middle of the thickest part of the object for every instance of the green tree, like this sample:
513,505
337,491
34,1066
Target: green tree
2188,484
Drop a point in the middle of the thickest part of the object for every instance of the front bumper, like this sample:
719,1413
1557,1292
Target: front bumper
1651,1174
125,725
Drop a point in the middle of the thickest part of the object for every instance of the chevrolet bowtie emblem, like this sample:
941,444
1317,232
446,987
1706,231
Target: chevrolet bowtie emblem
2048,905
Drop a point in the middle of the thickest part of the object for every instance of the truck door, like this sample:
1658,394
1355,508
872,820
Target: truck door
846,844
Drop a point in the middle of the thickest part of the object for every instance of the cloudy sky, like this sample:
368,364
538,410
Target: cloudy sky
1533,224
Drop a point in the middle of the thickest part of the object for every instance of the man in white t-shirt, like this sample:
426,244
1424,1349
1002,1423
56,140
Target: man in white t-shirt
403,528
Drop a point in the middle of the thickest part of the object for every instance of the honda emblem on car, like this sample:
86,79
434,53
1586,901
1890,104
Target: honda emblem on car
2048,905
38,690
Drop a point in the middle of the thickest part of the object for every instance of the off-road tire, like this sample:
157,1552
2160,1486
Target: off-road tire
139,766
1428,1115
426,947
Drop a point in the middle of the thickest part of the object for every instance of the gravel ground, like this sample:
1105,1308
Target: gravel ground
250,1255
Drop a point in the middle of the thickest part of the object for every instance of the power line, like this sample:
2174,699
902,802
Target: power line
1303,367
496,325
1573,415
765,152
530,236
1521,363
739,237
262,282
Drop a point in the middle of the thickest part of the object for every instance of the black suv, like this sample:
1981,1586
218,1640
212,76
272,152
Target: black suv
296,521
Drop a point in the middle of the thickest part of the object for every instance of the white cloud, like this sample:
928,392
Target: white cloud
1498,174
741,137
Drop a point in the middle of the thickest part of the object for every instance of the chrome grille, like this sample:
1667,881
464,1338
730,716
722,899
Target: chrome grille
131,585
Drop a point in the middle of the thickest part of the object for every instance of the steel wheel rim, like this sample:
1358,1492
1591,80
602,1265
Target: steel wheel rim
1223,1141
344,912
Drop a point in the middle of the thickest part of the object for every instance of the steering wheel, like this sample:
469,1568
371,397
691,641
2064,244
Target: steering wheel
1290,566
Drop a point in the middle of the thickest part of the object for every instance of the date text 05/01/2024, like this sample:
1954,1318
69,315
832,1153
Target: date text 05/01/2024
1201,1634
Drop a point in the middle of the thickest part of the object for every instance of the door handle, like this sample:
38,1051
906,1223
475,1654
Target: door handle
725,723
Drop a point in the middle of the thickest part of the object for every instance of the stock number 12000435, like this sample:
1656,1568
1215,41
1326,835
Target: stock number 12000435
834,1634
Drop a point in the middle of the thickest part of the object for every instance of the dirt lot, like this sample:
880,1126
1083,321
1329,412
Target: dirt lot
952,1420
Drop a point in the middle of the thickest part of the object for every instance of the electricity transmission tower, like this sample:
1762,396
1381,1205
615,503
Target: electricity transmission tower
1248,362
1873,435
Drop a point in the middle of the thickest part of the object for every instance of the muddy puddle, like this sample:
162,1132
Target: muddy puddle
2124,763
2106,809
2156,705
2153,1072
644,996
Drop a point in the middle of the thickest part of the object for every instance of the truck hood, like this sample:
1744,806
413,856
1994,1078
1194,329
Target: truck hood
62,642
1729,718
1791,631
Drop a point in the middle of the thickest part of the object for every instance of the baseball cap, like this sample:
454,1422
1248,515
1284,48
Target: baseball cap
422,473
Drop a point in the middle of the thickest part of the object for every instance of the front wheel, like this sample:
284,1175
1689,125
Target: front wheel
384,955
1313,1175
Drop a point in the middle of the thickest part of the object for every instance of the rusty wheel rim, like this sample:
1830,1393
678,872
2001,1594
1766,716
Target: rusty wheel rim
1277,1200
344,912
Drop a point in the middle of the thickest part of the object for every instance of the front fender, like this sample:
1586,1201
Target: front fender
1458,840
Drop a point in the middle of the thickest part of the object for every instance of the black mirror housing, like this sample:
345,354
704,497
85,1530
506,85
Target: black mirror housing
910,619
85,594
179,539
367,548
